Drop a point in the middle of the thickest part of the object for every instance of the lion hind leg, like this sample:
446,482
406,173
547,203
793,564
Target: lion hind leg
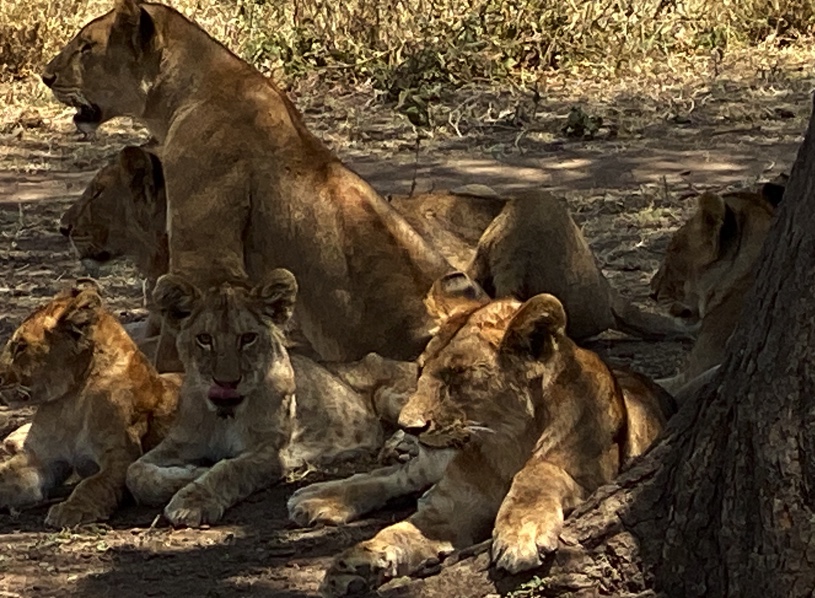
401,549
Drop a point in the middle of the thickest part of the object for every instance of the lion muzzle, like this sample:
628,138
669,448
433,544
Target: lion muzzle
225,398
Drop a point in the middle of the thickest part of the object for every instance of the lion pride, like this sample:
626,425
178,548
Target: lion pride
517,425
249,188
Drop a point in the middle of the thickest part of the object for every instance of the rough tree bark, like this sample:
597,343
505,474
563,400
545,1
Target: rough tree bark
724,504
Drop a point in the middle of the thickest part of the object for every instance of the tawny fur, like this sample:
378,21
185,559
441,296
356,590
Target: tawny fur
289,411
98,402
249,187
122,212
517,425
708,269
533,246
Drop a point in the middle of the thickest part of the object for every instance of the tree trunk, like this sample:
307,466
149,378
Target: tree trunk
723,504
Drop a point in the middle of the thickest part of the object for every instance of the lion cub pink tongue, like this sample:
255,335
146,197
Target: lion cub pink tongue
223,393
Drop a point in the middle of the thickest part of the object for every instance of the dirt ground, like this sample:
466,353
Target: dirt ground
664,139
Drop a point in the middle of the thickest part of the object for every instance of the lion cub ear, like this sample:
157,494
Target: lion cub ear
277,296
83,309
175,298
454,294
536,328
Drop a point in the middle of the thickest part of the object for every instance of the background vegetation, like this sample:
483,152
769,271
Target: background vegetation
427,45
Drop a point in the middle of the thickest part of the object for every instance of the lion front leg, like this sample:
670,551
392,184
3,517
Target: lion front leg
95,498
23,481
159,474
227,482
531,516
340,501
455,513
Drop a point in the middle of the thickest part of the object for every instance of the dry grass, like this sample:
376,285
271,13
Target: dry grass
404,45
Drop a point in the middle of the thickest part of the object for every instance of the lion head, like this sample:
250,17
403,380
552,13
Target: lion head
121,212
47,356
714,249
103,71
230,338
478,370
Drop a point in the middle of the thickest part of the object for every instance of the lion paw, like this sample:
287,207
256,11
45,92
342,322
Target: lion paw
320,503
516,550
71,514
399,448
192,511
358,571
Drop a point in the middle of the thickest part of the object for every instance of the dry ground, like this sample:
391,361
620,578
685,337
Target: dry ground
667,135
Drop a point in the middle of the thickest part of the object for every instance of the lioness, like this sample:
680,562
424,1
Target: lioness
249,187
533,246
239,426
451,221
122,212
518,425
709,267
98,402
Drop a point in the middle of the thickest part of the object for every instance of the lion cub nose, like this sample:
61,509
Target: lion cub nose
232,384
413,424
65,229
48,79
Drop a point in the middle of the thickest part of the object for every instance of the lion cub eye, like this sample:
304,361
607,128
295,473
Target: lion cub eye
85,47
248,338
19,348
449,374
204,340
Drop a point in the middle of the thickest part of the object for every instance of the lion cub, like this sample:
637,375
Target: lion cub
240,427
517,425
98,401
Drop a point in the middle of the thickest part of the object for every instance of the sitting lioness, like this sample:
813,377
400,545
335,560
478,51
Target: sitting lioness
249,188
709,268
99,401
239,426
517,426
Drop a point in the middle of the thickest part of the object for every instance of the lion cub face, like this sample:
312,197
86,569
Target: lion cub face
122,211
230,338
50,352
477,373
102,70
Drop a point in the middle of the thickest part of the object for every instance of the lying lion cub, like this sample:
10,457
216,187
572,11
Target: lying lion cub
709,267
517,426
98,401
239,426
